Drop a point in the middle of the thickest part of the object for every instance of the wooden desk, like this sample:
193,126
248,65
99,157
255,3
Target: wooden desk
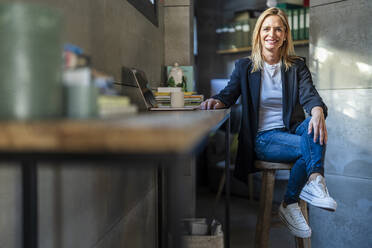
146,138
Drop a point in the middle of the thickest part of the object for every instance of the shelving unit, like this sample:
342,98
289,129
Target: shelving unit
248,49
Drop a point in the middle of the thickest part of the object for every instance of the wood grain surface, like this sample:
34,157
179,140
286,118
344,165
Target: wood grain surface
176,132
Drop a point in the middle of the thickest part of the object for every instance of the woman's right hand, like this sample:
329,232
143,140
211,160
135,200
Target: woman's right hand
212,103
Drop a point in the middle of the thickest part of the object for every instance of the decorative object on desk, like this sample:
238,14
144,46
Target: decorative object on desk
81,101
30,59
176,77
177,99
80,94
78,76
169,89
105,83
187,79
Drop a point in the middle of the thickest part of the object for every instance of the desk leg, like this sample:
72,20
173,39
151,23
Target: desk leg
30,218
175,198
227,183
162,209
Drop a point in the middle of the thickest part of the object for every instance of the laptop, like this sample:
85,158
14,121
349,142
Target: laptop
135,85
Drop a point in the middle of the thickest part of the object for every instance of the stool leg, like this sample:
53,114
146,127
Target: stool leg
219,192
304,243
250,187
264,216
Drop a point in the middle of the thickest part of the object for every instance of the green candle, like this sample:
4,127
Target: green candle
30,62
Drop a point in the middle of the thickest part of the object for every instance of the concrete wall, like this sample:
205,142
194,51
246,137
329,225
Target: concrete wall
341,64
178,28
94,206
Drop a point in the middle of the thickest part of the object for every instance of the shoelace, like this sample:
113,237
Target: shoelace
319,186
297,216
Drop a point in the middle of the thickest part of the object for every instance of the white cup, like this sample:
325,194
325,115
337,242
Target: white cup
177,99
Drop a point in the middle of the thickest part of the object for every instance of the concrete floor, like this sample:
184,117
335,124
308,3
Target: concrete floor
243,220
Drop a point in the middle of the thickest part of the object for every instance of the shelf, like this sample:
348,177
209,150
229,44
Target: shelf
248,49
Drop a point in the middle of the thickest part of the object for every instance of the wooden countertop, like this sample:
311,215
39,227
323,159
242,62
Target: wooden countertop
165,132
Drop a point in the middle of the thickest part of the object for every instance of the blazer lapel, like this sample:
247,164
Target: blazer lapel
287,89
254,82
255,90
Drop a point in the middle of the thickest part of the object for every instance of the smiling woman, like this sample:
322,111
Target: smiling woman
275,87
148,8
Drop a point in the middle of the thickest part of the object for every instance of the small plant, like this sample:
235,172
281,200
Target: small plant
171,82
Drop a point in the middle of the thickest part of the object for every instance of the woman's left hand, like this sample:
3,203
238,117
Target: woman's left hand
317,123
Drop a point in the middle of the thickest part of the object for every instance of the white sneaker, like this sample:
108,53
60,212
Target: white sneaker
292,217
316,193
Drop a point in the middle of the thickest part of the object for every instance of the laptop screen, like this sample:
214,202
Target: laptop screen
145,88
135,85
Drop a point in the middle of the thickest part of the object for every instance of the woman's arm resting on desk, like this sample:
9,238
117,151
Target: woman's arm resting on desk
212,103
317,123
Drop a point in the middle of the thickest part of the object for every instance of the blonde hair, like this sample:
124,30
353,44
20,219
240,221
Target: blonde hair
287,53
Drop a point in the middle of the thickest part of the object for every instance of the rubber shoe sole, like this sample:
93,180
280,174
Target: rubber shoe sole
326,204
296,232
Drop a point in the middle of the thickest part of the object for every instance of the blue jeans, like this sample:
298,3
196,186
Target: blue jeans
279,145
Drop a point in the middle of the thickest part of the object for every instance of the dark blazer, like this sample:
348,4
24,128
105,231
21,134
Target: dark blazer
299,93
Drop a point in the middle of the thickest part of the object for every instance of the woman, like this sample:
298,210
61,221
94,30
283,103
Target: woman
275,86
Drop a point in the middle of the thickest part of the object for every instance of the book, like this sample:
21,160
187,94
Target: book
112,105
168,93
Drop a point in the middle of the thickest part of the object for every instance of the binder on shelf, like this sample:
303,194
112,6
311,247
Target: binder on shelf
219,38
224,37
241,16
290,19
287,5
307,23
238,34
246,33
231,37
295,24
302,17
243,19
252,24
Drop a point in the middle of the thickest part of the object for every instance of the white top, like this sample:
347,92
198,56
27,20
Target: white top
271,110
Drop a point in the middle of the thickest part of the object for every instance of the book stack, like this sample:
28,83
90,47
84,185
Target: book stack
162,97
113,105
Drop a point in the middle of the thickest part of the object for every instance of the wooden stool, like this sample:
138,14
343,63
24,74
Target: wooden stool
266,199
